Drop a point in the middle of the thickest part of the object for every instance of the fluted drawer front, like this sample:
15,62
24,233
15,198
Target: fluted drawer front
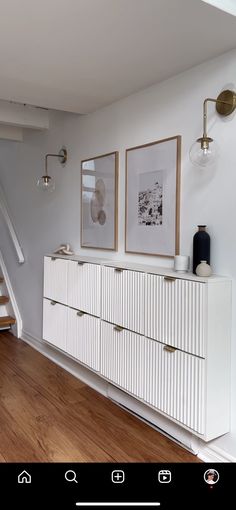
122,358
55,279
123,298
174,313
84,287
55,323
174,383
83,339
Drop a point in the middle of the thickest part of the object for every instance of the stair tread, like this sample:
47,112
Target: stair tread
3,300
7,320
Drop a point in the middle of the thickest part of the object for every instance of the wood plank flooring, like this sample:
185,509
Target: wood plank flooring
47,415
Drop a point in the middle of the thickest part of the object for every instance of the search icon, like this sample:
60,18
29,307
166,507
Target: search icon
70,476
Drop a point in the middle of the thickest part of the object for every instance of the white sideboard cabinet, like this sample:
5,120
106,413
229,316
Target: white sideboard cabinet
84,287
72,307
163,337
55,279
123,298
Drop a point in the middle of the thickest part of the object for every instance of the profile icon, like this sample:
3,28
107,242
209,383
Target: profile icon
211,476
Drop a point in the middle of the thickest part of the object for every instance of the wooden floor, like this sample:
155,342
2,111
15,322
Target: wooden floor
47,415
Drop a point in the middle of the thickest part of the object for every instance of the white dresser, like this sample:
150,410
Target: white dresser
160,336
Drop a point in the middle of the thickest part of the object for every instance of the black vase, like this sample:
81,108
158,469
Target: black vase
201,247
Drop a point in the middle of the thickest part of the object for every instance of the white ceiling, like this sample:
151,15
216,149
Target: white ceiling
224,5
79,55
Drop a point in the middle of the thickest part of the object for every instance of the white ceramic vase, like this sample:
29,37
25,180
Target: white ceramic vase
203,269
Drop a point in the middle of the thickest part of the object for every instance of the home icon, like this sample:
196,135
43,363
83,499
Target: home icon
24,477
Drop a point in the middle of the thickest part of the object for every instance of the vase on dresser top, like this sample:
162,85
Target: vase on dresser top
201,247
203,269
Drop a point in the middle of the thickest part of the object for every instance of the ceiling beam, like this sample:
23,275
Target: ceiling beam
23,116
12,133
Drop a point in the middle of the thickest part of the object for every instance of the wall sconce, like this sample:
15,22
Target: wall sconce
46,182
204,151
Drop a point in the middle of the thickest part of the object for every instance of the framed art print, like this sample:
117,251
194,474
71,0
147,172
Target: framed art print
153,198
99,182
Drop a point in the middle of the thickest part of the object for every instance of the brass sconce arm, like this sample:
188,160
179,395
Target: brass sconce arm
205,114
62,155
225,105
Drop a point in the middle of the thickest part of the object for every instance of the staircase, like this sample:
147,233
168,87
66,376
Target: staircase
10,317
6,311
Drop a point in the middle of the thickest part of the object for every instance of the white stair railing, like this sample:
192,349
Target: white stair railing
18,326
12,232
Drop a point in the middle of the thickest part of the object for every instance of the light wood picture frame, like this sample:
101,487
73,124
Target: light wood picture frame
99,202
152,217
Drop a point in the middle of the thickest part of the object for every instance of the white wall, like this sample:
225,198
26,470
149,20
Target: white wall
207,196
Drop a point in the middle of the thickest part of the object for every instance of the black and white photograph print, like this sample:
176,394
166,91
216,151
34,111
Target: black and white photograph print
153,198
150,198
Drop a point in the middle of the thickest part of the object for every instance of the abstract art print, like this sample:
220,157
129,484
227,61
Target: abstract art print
99,177
152,198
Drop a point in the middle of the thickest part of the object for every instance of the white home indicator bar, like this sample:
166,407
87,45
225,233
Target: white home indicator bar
119,504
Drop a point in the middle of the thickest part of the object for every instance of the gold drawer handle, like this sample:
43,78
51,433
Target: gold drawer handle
53,303
168,348
169,278
118,329
80,313
118,269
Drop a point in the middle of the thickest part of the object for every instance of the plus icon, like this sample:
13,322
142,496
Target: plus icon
118,476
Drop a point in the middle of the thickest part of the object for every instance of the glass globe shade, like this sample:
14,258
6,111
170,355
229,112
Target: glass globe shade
46,183
203,154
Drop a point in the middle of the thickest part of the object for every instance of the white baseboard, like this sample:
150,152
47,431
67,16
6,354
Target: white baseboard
205,452
211,453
